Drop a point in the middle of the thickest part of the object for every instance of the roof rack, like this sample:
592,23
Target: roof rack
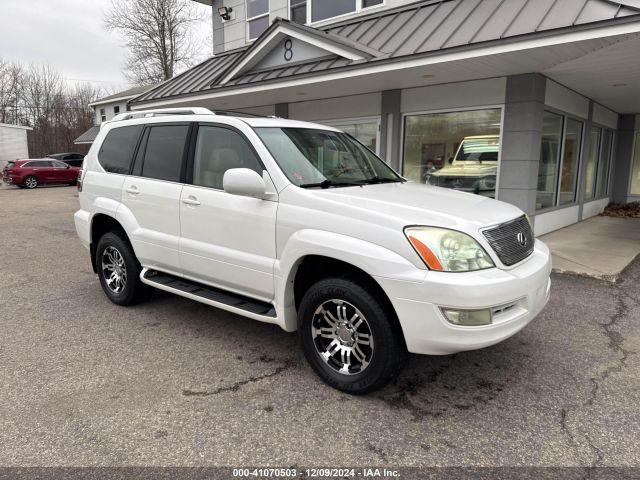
161,111
179,111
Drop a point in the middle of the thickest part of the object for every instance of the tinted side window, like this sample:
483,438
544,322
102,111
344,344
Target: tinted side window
217,150
164,152
116,152
40,164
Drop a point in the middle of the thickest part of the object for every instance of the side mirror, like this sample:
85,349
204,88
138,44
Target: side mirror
243,181
68,166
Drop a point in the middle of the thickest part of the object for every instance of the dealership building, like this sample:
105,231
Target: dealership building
534,102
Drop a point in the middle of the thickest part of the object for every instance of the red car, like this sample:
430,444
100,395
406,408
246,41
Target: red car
31,173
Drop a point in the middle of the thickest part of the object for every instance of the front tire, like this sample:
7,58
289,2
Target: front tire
31,182
119,270
349,337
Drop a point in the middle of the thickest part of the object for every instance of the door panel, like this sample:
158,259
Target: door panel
154,204
153,197
60,173
228,240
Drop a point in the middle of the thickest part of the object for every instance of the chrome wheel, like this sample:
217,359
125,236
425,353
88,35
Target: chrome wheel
342,337
114,269
31,182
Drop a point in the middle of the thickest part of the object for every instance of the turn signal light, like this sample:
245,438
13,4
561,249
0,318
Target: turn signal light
426,254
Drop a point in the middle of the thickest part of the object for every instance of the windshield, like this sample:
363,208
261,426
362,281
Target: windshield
478,150
323,158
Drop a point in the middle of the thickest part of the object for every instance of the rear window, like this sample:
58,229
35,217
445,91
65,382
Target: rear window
164,153
116,152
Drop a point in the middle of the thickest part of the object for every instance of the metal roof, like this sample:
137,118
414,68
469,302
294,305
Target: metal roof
129,93
419,28
89,136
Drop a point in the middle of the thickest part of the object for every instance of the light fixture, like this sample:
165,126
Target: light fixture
225,13
428,76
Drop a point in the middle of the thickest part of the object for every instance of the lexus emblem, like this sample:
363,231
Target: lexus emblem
522,240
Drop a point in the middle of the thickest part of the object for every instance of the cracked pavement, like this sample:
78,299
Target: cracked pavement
176,383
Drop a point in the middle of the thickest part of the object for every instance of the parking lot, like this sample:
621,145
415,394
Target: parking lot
172,382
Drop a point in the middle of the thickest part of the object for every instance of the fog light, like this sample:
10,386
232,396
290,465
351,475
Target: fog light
468,318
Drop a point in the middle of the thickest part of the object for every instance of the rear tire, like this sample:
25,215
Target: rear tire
31,182
119,270
349,337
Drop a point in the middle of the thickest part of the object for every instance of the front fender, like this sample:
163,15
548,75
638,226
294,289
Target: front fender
373,259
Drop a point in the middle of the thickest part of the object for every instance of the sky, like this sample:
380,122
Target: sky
70,36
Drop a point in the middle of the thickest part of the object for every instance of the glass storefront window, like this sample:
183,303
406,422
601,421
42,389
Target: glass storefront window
366,132
635,173
592,162
602,174
456,150
570,161
549,160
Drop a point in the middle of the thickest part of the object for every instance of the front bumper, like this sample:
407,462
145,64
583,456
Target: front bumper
525,287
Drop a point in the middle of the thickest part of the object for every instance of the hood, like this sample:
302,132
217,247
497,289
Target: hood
412,203
458,169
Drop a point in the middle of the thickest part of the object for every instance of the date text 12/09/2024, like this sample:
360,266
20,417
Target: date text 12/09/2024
315,473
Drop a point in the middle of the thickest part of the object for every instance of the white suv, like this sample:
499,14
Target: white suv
300,225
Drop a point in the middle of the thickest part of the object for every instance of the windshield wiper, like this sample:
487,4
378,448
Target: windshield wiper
374,180
330,183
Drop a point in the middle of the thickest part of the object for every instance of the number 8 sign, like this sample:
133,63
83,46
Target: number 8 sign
288,49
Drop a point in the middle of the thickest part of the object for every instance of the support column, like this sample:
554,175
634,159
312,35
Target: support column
622,160
521,141
281,110
390,128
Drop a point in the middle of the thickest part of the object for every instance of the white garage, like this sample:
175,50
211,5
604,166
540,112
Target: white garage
13,143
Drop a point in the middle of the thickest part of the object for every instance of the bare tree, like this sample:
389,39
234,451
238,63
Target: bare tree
39,97
158,37
11,83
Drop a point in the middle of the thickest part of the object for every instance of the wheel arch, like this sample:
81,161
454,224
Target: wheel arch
102,223
312,255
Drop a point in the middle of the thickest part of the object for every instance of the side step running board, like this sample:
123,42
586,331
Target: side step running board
213,296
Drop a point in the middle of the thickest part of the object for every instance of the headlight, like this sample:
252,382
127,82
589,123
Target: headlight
487,183
448,250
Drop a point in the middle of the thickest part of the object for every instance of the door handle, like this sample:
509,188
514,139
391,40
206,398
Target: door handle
191,200
133,190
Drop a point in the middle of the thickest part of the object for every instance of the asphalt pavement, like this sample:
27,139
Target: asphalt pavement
173,382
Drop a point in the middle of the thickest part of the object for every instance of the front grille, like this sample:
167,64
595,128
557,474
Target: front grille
456,182
507,242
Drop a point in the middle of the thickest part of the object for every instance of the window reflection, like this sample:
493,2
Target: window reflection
570,161
455,150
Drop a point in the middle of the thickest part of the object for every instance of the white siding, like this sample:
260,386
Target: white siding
354,106
13,143
566,100
591,209
451,96
604,116
548,222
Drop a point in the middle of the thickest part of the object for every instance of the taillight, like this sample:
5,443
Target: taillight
79,180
